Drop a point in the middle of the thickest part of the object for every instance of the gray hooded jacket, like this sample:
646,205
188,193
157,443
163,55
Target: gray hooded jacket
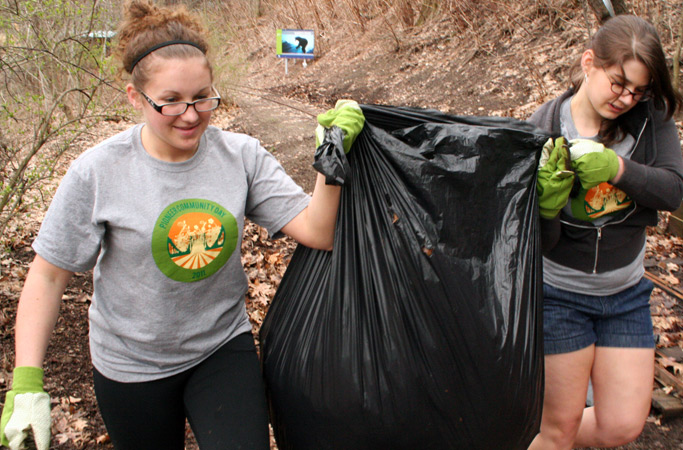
653,178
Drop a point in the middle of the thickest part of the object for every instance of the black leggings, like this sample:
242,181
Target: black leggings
223,399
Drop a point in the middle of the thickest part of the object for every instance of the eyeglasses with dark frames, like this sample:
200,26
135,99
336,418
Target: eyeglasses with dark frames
179,108
619,88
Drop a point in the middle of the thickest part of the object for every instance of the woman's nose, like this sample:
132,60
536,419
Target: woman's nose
627,97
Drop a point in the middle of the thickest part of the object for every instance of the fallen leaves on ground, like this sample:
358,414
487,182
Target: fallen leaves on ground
265,261
664,259
69,422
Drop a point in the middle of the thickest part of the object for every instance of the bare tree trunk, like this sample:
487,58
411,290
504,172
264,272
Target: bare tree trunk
602,13
677,55
256,8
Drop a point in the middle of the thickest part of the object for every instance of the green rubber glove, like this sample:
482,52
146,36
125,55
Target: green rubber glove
555,180
26,414
592,162
346,115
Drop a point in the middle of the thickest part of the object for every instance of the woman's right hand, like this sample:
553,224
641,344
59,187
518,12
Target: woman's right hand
26,414
555,178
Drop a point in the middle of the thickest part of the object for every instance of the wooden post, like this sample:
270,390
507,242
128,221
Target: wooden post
676,222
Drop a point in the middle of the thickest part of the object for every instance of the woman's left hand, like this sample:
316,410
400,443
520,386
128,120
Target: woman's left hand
593,162
346,115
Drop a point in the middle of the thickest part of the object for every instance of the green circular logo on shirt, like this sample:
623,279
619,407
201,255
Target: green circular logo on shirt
193,238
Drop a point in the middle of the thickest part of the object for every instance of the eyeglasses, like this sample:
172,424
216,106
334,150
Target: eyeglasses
179,108
619,88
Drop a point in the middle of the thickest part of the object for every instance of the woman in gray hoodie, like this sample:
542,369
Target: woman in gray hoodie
625,155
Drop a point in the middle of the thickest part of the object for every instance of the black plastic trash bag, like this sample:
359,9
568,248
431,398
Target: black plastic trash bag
422,328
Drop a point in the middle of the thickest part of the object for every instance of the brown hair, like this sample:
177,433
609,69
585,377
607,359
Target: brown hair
146,26
621,39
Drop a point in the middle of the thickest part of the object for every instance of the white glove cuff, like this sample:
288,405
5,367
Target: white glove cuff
581,147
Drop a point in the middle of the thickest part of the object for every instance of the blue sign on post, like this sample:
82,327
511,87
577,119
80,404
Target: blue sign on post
295,44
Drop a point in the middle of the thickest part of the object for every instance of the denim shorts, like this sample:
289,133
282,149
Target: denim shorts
574,321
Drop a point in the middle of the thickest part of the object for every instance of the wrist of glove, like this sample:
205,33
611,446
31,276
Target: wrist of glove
26,414
346,115
592,162
555,178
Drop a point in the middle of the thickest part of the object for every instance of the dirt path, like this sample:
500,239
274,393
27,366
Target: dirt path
285,127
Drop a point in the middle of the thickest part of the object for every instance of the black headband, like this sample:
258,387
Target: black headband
158,46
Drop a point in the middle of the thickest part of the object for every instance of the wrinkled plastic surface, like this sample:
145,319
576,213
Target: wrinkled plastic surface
330,158
422,328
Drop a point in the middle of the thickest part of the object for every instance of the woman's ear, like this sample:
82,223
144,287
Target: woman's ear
133,96
587,60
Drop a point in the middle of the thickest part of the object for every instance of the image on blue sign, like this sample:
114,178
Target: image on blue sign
298,43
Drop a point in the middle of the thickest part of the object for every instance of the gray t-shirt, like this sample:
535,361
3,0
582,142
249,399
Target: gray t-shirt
573,280
164,240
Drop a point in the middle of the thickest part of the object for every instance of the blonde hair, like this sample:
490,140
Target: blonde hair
163,32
